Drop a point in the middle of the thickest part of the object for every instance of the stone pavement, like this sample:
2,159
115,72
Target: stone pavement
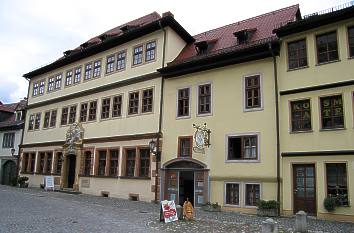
33,210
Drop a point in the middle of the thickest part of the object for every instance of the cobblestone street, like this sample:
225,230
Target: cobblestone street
33,210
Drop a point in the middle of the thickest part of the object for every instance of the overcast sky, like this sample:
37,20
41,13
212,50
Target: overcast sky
36,32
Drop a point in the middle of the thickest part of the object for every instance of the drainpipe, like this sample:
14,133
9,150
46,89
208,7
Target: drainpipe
276,121
158,155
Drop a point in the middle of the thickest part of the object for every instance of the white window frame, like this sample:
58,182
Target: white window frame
189,103
245,194
258,160
211,99
239,193
260,92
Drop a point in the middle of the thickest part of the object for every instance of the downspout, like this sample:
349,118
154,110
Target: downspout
158,155
276,121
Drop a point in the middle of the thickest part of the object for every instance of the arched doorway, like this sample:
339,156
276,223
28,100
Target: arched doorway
8,172
185,179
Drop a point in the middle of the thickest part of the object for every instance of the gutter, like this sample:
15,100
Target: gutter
276,122
158,155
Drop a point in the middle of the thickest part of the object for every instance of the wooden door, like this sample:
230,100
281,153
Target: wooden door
304,188
171,184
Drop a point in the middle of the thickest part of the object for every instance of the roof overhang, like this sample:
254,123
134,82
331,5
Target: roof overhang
115,41
314,21
255,52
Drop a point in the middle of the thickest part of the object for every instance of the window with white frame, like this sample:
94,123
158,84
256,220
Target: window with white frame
97,69
51,81
88,71
31,122
35,89
41,87
243,147
58,81
121,60
77,77
69,78
8,140
252,194
232,194
138,55
110,64
150,50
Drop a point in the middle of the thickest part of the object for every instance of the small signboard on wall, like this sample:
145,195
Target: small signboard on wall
169,211
49,183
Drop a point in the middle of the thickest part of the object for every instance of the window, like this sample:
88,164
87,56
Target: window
102,154
18,115
49,162
232,191
50,84
83,112
72,114
242,148
130,162
88,71
185,146
301,115
88,163
58,81
110,64
33,161
31,122
332,112
351,41
113,163
35,89
77,77
337,182
133,103
121,60
37,121
147,100
8,140
92,111
64,116
41,87
297,57
46,120
252,194
183,102
144,162
252,92
59,158
53,118
106,104
138,55
204,99
150,51
24,164
117,106
41,159
327,47
97,69
69,78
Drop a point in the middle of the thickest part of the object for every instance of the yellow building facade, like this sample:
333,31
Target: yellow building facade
316,90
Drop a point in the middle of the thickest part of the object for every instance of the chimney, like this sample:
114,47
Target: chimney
167,13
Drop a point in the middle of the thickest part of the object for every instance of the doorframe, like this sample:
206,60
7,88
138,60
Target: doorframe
293,183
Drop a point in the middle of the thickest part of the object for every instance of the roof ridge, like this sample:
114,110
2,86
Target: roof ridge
249,19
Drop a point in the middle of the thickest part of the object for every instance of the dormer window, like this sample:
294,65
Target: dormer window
245,35
201,47
127,28
18,115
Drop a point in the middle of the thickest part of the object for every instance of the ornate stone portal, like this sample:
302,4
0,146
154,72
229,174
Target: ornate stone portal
72,157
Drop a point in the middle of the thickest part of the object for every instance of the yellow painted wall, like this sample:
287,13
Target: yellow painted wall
228,117
321,188
317,74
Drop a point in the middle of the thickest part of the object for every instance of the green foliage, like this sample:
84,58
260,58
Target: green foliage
266,205
330,203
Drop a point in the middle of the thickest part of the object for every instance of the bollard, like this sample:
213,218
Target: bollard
269,226
301,222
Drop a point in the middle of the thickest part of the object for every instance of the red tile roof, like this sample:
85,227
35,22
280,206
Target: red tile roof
224,38
8,107
117,32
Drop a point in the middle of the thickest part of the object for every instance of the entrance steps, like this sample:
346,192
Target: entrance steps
68,191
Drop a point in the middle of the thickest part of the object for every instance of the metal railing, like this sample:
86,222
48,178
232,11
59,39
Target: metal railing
330,10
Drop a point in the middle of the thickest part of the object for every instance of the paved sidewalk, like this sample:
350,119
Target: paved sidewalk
33,210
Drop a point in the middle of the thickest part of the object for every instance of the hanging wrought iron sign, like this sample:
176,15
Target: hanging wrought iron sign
201,138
